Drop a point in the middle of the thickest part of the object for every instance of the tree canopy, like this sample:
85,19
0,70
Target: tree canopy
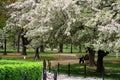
93,22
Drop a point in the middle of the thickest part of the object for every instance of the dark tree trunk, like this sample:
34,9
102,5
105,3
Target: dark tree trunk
51,47
42,48
80,48
5,42
37,57
18,42
14,43
71,49
60,50
91,53
100,67
23,45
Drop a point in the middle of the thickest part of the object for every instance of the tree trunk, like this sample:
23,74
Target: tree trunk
42,48
60,50
14,43
71,49
5,52
80,49
51,47
23,45
100,67
18,42
37,57
91,53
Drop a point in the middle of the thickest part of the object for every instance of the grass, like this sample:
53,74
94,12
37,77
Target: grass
112,56
112,69
28,51
8,51
28,57
31,51
46,52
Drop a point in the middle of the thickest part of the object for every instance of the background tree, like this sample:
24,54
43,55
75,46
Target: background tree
107,22
17,21
52,16
94,23
4,14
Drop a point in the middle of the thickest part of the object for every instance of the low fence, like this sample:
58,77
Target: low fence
25,76
48,76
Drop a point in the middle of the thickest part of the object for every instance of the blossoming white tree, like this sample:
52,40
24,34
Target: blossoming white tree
17,20
95,22
106,20
65,16
56,15
101,27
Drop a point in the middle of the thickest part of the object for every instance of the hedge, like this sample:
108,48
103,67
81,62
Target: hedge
16,70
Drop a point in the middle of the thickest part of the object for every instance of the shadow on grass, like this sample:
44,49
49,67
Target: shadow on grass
78,70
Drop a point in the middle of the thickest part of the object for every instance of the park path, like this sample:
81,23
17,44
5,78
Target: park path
65,59
64,62
65,77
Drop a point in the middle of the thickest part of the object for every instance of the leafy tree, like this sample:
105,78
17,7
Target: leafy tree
94,23
4,14
17,21
106,21
100,27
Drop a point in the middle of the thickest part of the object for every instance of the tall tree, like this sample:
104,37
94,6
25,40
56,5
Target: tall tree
91,53
95,23
17,20
106,21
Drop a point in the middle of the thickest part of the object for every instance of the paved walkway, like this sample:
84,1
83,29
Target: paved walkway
65,77
65,59
64,62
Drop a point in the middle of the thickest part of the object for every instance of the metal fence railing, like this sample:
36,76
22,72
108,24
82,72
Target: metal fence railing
47,75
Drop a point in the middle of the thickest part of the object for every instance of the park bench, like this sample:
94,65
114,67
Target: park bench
1,46
83,58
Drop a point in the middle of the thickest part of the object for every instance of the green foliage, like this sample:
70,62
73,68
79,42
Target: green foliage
15,70
4,12
2,22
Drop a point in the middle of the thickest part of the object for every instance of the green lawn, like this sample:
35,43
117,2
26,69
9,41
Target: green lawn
31,51
112,70
111,63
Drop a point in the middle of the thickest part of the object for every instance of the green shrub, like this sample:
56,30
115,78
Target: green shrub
16,70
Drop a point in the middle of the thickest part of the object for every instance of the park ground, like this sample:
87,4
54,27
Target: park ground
111,63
